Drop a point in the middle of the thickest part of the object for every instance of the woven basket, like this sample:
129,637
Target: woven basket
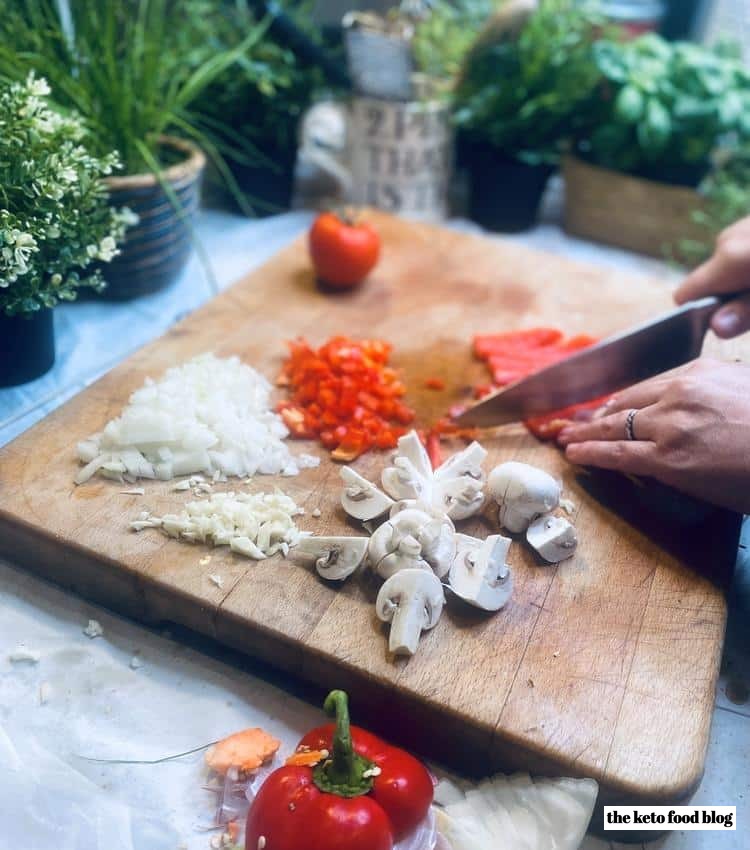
626,211
157,248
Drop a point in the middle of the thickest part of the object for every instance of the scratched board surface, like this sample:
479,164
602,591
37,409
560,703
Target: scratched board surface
604,666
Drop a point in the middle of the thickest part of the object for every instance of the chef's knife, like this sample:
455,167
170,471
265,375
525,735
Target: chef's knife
612,364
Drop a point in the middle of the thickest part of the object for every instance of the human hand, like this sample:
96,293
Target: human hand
727,272
692,432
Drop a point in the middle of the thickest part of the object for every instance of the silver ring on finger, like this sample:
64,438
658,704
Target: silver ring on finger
630,425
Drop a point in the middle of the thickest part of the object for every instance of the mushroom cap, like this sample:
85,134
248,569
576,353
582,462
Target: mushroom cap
479,574
336,558
522,493
360,498
554,538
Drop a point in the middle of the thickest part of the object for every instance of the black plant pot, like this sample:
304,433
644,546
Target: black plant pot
27,347
504,193
156,249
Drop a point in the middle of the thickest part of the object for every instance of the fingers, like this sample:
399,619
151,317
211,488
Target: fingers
726,272
638,397
648,392
733,319
633,458
610,428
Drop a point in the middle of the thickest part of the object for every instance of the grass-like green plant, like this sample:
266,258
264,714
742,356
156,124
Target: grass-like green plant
131,68
266,91
56,225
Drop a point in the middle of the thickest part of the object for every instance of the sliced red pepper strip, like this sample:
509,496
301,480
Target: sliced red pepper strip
515,355
434,449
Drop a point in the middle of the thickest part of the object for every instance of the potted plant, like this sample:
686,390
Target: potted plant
657,116
517,99
725,195
133,71
56,226
266,92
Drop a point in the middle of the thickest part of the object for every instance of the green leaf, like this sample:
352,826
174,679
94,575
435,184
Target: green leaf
629,105
655,130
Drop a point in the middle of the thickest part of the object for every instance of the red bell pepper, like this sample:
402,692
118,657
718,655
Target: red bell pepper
366,795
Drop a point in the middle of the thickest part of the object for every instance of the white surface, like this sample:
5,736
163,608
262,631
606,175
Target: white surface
184,696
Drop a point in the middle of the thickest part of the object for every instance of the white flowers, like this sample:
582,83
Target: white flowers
107,249
37,87
17,248
55,219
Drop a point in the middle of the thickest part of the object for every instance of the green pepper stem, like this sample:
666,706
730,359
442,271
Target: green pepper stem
337,706
345,773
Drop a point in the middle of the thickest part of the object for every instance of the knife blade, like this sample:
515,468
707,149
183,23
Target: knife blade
619,361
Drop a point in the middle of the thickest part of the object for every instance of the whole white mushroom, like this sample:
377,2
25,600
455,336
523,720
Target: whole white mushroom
522,493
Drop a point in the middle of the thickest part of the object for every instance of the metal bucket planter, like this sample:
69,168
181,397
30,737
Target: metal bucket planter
156,249
27,347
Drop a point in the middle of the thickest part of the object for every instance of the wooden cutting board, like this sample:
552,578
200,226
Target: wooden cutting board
604,666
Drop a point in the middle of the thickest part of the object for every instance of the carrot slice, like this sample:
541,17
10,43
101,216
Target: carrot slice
306,758
246,751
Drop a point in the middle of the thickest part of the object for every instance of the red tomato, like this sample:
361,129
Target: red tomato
343,254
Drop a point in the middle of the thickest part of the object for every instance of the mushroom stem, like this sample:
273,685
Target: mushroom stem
406,627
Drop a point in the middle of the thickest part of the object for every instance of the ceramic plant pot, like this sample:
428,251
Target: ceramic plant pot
157,248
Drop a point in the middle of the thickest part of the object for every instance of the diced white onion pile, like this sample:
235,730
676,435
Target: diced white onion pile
209,415
254,525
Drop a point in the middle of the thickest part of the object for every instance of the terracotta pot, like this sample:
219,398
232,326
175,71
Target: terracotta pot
629,212
158,247
27,347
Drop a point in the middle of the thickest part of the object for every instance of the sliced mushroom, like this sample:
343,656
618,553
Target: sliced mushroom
411,448
522,493
336,558
361,499
467,462
438,543
402,481
413,539
460,498
411,601
410,477
479,574
554,538
395,545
